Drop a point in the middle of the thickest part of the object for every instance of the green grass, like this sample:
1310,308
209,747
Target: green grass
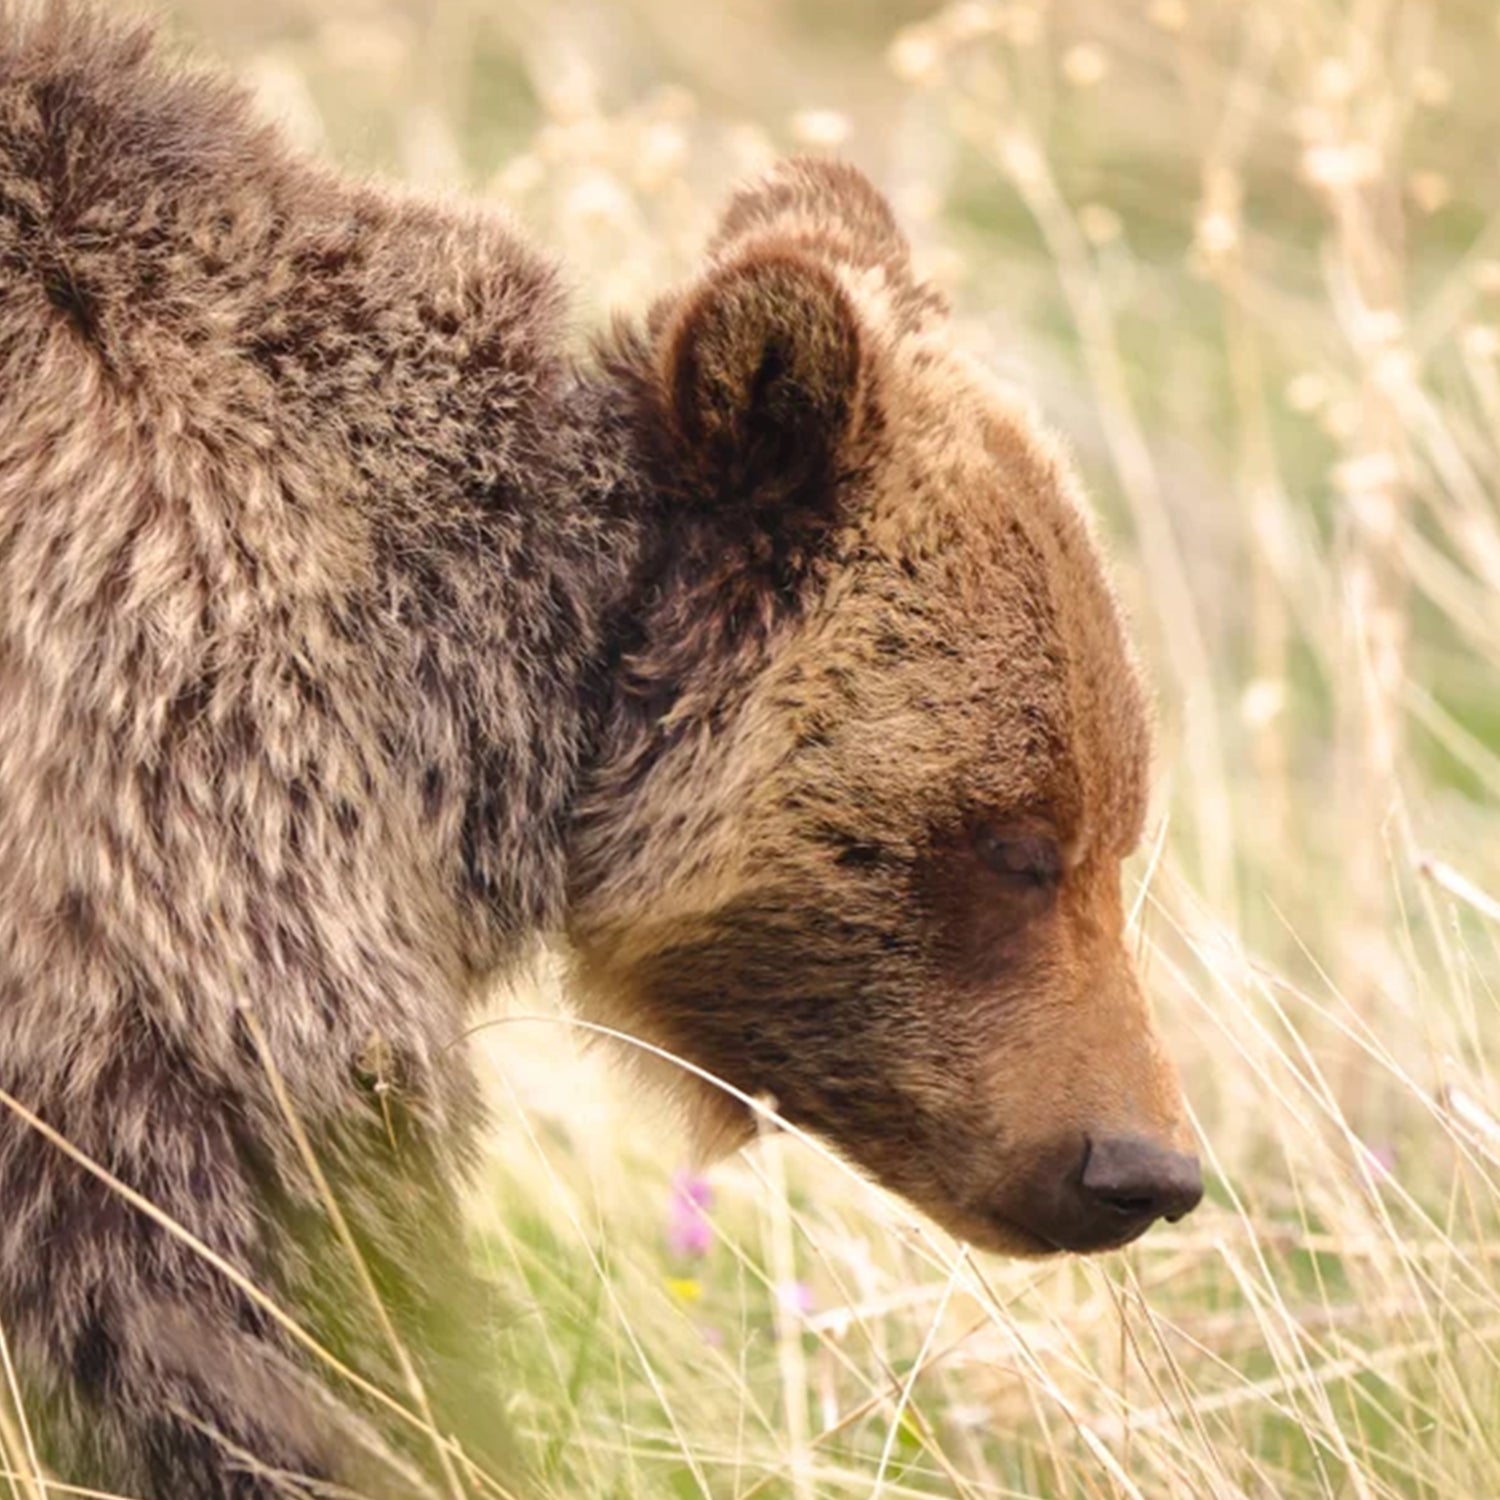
1247,257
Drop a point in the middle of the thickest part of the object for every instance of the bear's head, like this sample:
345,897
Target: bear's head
878,749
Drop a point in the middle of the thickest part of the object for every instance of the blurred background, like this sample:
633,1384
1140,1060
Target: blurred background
1245,255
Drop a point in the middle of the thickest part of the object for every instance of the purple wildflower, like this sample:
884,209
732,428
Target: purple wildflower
794,1297
689,1234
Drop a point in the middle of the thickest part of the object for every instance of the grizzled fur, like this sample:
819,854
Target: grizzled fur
352,639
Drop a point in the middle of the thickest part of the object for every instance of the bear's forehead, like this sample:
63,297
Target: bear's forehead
986,570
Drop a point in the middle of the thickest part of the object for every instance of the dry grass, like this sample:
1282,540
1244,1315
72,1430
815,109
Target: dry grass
1248,258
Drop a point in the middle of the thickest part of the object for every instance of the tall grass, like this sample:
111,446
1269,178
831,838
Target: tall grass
1247,256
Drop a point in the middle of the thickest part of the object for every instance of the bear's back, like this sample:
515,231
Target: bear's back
147,215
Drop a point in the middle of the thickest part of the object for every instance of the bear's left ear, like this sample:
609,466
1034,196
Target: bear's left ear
763,371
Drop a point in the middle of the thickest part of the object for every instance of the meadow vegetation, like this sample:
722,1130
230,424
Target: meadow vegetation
1246,257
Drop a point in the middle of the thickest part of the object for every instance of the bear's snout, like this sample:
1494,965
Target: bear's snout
1101,1193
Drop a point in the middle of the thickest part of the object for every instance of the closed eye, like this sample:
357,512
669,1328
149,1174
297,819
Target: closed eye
858,856
1024,861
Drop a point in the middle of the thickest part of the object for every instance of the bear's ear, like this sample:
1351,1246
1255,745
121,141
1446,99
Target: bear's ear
835,214
763,374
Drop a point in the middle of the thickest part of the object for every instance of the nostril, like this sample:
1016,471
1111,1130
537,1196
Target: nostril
1136,1178
1135,1206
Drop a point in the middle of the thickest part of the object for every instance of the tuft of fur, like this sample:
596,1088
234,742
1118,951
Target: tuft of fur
352,641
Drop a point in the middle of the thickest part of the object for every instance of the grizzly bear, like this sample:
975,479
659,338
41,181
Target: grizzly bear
355,639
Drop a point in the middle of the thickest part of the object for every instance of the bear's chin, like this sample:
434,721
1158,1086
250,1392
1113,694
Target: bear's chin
720,1124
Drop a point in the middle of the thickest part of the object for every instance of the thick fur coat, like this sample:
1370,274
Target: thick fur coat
352,640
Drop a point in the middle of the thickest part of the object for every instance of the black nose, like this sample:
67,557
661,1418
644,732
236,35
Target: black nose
1138,1180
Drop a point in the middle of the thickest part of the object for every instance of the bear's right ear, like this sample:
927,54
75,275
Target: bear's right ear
763,372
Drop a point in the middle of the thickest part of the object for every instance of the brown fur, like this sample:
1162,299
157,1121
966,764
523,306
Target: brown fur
351,641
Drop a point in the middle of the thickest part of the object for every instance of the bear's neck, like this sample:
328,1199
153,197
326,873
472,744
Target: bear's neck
571,556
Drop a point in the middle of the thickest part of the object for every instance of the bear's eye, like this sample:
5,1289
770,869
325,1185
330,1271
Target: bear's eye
1026,862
